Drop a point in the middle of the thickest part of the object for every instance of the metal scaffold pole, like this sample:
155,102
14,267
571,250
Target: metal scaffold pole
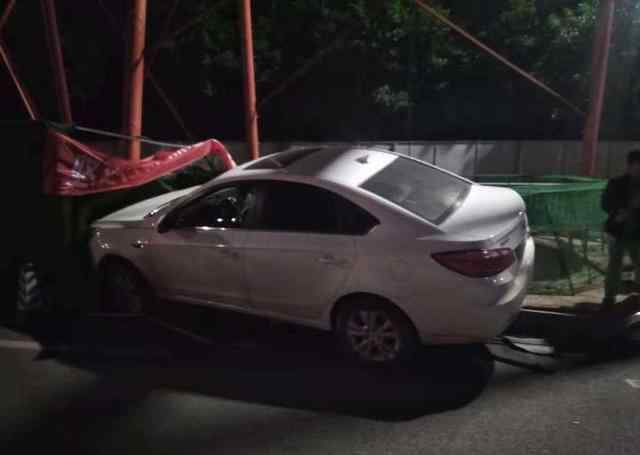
134,90
600,65
57,59
249,79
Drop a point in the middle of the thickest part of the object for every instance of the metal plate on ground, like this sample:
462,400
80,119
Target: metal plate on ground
538,346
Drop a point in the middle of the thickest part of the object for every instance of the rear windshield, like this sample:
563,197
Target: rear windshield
424,190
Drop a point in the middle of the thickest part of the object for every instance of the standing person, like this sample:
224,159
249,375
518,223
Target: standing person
621,201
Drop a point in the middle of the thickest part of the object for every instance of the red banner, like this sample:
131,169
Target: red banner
74,169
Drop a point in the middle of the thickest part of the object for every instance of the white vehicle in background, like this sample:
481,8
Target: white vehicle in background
384,250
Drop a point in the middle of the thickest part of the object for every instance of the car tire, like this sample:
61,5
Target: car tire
124,289
375,333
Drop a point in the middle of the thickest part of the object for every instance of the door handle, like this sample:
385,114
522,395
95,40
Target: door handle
226,251
140,244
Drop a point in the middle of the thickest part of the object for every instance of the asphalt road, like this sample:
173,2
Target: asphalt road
131,385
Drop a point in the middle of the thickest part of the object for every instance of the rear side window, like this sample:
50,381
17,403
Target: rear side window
297,207
421,189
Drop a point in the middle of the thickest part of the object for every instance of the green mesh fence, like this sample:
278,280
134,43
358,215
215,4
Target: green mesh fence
566,221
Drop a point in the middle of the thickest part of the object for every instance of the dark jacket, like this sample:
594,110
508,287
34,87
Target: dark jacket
616,198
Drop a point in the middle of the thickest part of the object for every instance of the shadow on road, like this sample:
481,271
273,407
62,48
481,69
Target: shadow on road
248,361
131,395
277,365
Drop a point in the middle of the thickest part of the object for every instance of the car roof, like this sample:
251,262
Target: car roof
345,166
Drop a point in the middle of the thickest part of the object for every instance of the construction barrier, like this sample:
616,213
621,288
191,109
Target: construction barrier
567,224
59,180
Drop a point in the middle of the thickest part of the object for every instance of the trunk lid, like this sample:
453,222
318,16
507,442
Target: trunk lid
492,215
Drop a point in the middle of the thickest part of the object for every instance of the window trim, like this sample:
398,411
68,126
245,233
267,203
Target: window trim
259,184
173,214
282,160
266,182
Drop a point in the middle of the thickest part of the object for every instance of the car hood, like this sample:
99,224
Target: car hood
140,210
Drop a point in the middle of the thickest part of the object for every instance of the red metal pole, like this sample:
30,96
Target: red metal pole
6,13
135,83
600,66
22,91
249,80
57,59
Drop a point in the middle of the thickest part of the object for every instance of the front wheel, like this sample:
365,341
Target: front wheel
631,335
124,290
375,333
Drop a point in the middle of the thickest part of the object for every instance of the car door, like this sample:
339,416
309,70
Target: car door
298,255
197,258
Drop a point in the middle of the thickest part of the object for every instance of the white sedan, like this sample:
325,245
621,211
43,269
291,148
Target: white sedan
384,250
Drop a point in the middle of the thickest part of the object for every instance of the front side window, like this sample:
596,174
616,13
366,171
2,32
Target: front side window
297,207
224,208
424,190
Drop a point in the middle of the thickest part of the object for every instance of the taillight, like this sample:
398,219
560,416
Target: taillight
477,263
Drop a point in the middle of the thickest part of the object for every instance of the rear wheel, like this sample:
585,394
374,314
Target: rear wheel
375,333
124,290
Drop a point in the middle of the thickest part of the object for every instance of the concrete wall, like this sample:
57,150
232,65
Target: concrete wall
485,157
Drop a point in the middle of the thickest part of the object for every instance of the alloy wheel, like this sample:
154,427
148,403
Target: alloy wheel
373,335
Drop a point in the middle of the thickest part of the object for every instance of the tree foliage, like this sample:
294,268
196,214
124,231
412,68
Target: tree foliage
370,69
